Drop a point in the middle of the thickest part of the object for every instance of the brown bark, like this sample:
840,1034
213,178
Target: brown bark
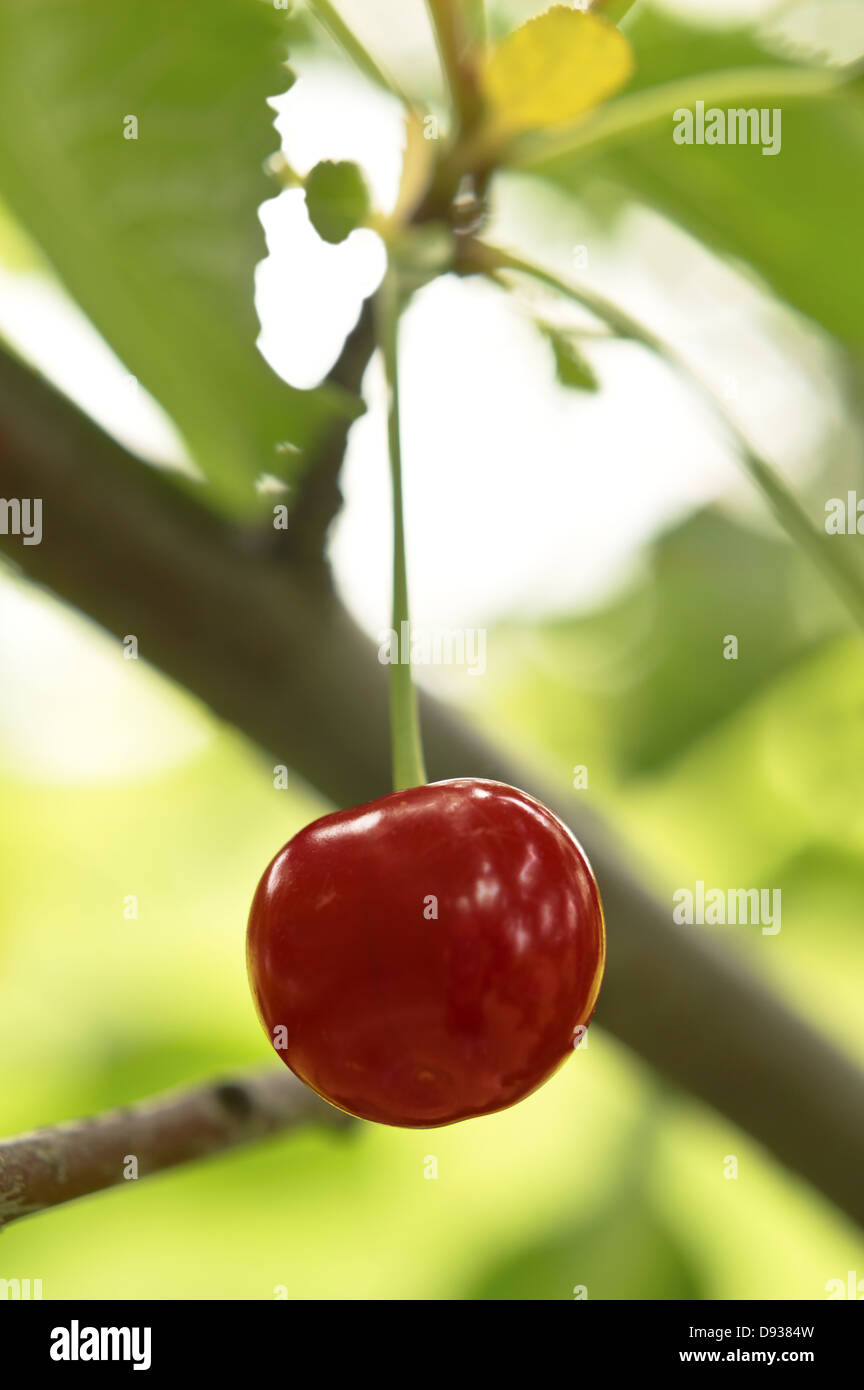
57,1165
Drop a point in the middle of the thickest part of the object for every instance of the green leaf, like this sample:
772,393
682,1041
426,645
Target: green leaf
651,661
157,237
571,367
613,10
795,217
710,578
337,199
553,69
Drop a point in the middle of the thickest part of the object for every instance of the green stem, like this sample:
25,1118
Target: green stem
845,579
406,743
475,21
453,24
347,40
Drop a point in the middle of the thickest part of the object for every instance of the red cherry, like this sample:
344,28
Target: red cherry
399,1015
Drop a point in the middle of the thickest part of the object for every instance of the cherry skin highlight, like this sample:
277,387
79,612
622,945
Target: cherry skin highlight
430,956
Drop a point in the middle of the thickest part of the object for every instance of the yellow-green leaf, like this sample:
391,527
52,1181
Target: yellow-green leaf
554,68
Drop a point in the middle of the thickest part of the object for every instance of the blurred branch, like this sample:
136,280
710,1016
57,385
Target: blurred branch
56,1165
279,658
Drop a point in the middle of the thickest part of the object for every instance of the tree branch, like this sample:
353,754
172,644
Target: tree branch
50,1166
281,660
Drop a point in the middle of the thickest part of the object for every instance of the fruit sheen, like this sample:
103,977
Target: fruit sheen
430,955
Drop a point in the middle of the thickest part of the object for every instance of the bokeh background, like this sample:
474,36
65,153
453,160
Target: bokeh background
607,542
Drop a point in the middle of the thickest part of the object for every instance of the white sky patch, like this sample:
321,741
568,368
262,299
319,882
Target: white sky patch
332,112
308,294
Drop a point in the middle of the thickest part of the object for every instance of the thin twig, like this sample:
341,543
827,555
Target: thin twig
329,17
52,1166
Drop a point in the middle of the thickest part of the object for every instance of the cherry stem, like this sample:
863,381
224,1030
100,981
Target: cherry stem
406,743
